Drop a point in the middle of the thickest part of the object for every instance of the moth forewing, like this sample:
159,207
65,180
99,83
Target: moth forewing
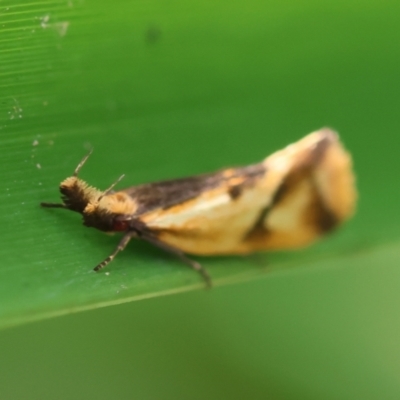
306,190
288,200
213,223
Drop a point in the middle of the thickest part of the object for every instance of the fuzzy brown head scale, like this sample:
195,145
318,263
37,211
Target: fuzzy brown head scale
76,194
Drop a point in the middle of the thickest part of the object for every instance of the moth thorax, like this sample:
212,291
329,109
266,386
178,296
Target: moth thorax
96,217
76,193
104,212
118,203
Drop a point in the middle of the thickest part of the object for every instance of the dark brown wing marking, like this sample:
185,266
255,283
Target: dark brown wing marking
166,194
235,191
317,214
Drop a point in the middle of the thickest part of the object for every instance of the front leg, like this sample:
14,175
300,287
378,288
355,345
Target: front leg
121,245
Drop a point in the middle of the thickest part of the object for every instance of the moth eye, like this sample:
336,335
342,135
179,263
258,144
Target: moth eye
119,226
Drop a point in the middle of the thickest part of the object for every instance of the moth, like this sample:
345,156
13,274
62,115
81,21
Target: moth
290,199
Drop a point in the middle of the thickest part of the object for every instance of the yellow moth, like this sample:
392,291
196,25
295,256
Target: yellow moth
288,200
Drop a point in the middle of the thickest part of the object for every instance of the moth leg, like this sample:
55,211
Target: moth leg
53,205
121,245
179,253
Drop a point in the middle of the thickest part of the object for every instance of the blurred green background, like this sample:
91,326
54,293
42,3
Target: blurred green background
168,89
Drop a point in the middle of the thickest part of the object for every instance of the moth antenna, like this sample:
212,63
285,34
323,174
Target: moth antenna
80,165
53,205
106,192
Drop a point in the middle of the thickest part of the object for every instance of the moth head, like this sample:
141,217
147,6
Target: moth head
76,193
100,209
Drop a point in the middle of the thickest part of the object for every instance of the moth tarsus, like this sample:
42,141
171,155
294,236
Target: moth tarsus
121,246
290,199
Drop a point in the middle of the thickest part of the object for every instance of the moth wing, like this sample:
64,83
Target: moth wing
304,191
213,222
316,195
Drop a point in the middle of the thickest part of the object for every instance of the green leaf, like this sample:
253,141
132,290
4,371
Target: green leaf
163,91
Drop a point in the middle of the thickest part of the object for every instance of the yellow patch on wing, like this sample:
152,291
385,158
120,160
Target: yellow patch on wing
213,223
306,191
